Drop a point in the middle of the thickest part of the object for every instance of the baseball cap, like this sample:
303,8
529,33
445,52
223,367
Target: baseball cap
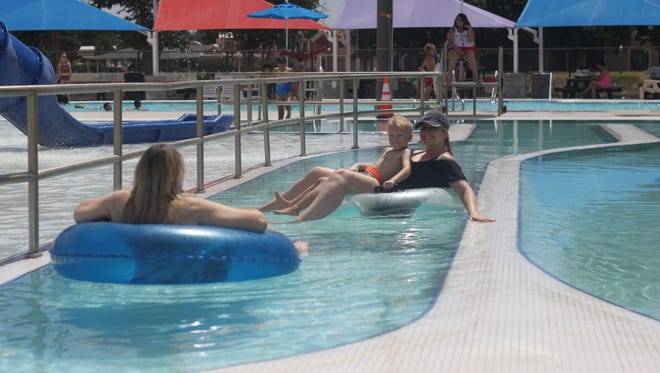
434,118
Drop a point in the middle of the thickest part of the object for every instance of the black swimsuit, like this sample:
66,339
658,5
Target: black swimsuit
436,173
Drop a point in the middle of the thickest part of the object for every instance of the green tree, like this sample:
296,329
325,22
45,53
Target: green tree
141,12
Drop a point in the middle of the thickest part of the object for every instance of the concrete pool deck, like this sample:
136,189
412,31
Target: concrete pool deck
496,312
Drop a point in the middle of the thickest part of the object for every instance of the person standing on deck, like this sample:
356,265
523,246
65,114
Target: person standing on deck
283,90
64,70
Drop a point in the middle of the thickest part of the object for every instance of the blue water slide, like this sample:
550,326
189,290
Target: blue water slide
23,65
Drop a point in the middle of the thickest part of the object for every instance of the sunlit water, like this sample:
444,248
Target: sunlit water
363,277
591,219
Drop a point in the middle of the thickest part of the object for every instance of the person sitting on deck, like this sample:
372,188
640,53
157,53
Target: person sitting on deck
461,45
603,80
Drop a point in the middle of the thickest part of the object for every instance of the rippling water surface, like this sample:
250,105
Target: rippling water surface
362,277
591,219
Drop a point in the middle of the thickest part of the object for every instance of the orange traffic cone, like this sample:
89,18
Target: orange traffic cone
386,97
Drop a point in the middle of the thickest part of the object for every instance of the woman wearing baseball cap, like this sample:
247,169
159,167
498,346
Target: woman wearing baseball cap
436,167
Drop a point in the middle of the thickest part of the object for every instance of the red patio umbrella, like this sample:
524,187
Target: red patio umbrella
222,15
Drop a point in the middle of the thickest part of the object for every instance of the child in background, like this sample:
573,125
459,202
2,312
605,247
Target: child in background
64,69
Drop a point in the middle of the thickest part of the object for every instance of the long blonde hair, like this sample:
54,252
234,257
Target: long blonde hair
157,183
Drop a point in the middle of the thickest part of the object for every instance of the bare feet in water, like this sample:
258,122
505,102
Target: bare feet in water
289,208
302,247
281,200
278,202
293,210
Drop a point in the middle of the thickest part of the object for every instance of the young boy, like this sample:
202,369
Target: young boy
392,167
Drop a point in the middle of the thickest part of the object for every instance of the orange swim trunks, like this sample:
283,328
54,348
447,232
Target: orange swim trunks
374,173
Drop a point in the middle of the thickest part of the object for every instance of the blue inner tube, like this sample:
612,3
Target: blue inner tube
170,254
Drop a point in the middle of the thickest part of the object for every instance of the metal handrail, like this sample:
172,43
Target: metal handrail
33,175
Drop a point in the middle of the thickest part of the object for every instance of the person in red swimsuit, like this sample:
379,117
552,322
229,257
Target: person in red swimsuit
428,65
64,69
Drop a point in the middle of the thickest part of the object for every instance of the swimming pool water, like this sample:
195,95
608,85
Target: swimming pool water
651,127
524,136
60,195
363,277
567,105
591,219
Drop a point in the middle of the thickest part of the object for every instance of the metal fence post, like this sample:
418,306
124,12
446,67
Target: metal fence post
33,171
301,120
199,97
355,114
342,86
117,138
237,126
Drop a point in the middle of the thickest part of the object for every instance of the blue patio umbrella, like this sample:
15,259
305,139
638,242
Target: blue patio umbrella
39,15
287,11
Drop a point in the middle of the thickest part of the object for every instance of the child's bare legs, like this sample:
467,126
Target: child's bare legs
294,206
310,179
331,193
292,209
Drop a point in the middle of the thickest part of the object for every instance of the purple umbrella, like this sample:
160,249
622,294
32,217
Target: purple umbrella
287,11
360,14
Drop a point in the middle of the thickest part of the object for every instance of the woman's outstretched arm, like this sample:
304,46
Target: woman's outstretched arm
469,200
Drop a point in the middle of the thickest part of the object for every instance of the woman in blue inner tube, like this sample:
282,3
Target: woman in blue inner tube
157,197
148,248
435,167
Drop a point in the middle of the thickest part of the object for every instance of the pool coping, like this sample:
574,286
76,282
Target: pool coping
497,312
